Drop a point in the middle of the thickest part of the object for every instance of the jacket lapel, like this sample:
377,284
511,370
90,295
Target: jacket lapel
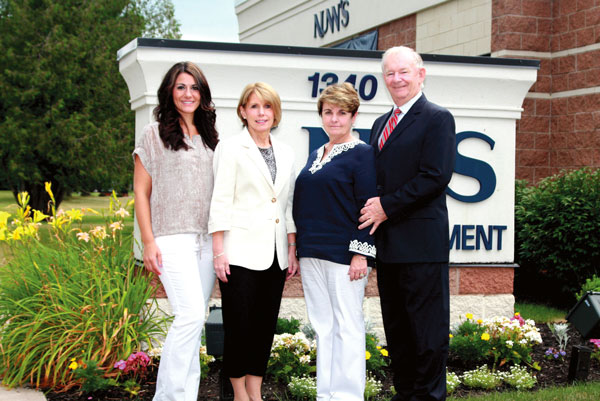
406,121
255,155
378,130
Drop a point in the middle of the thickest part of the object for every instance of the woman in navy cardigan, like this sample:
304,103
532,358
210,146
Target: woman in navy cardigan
330,191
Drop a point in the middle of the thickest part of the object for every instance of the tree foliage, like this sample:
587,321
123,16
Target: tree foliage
64,107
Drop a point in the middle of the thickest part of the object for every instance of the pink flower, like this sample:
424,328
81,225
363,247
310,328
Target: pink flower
120,365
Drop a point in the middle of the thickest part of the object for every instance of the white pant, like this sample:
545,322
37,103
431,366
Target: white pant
334,305
188,277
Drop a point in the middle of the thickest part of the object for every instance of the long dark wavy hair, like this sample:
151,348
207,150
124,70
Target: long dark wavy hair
167,115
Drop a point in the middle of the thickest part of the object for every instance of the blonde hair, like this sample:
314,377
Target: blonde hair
264,92
342,95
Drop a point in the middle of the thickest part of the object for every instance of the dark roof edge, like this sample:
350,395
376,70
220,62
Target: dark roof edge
324,51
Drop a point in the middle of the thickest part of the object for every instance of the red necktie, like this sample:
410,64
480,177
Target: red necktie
392,122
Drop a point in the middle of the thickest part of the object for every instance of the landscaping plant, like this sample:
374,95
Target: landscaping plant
377,356
76,296
500,339
291,355
557,236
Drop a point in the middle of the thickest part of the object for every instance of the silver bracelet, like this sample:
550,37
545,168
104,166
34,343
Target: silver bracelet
291,244
219,254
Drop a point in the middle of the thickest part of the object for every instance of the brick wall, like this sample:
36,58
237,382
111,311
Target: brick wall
401,32
560,126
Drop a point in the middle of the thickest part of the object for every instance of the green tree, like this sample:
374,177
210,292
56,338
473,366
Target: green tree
64,107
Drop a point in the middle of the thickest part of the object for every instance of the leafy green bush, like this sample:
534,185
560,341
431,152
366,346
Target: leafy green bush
91,378
557,235
501,339
466,342
76,296
291,326
591,284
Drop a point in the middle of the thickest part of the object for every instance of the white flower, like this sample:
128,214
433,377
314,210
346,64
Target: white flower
509,343
117,225
121,213
83,237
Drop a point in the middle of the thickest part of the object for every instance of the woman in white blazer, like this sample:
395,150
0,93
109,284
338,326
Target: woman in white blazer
254,239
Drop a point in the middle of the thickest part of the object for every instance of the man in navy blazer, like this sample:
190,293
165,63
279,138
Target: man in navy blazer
414,162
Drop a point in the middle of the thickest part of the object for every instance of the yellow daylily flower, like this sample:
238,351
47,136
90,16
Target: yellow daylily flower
384,352
48,188
479,321
4,218
451,335
469,316
74,214
367,355
39,216
485,337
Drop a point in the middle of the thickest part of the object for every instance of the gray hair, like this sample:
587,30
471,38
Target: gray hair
418,61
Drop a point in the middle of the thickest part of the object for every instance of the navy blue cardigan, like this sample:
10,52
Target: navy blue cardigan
328,196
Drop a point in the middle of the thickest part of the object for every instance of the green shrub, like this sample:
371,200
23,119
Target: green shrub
557,235
76,296
591,284
92,379
502,340
467,345
291,326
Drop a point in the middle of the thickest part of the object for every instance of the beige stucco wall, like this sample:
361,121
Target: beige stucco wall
458,27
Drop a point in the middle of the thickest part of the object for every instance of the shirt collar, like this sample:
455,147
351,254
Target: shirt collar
406,106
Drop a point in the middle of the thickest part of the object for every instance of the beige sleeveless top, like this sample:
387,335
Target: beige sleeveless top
182,183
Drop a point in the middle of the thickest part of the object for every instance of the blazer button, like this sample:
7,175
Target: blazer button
277,221
274,200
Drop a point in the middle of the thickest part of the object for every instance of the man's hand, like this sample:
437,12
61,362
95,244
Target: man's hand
372,214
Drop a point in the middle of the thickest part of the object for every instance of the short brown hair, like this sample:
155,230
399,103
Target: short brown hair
266,93
342,95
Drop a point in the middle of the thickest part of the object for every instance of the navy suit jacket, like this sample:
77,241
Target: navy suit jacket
413,170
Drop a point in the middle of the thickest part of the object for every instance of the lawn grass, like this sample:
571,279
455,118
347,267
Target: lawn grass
540,313
578,392
98,203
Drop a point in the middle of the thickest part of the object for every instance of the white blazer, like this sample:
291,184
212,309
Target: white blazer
254,213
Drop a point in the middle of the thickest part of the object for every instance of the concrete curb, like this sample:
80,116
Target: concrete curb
20,394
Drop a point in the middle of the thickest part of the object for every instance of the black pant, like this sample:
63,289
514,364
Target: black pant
250,301
415,304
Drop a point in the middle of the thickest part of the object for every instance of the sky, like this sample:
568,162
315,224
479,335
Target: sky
207,20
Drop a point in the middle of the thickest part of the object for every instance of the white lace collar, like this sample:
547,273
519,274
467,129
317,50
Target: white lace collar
337,149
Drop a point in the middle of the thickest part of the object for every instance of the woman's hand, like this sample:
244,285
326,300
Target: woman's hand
152,257
293,264
221,264
358,267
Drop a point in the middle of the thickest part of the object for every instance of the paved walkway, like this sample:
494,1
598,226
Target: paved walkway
20,394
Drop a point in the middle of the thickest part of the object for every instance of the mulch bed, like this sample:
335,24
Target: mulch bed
553,373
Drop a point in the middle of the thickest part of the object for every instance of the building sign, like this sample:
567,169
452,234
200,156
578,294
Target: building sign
481,192
331,19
